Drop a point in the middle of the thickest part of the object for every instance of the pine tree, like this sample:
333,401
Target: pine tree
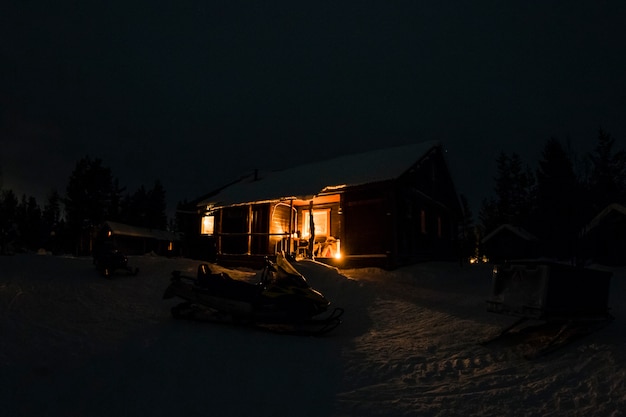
88,201
466,228
8,226
52,223
157,215
607,180
28,221
138,207
145,208
558,194
513,195
51,215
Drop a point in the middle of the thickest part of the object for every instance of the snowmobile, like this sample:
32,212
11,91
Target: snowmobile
109,260
282,301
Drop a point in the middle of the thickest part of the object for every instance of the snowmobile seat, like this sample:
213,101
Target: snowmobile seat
224,285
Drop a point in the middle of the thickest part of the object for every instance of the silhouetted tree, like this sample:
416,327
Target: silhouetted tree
28,219
467,232
157,215
514,195
8,226
146,208
115,210
558,216
607,180
138,207
88,199
51,214
52,223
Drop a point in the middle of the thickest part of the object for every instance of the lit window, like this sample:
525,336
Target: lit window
320,219
208,223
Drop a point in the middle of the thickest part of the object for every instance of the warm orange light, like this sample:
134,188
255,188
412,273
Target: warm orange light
208,223
338,249
321,219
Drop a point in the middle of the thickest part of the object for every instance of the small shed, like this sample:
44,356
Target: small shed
604,237
133,240
386,207
509,242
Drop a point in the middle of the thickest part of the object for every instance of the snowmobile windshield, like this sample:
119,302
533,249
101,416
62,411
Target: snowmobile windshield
286,273
287,278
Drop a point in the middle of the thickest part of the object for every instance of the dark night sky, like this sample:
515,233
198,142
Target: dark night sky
195,93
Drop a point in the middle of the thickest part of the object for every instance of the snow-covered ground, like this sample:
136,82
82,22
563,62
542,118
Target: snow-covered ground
75,344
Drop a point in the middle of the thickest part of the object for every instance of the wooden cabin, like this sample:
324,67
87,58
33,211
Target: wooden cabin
388,207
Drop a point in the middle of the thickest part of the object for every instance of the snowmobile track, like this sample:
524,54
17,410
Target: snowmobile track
310,327
549,337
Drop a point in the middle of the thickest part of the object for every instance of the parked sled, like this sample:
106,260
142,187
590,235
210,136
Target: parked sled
281,301
570,301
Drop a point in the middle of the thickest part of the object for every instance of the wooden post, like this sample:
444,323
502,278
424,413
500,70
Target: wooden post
250,229
290,226
311,230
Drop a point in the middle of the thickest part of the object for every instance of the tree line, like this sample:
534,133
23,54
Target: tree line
92,196
553,201
559,197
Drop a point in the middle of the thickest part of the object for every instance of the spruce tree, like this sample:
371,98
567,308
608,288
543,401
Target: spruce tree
607,180
88,200
557,212
513,195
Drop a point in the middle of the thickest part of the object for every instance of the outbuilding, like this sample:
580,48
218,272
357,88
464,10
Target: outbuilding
604,237
508,242
133,240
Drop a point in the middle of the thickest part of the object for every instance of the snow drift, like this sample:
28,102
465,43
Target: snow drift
74,343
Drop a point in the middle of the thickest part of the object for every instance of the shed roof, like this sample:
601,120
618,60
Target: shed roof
307,180
518,231
614,208
134,231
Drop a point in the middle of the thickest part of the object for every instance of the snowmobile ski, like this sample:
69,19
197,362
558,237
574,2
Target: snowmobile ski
543,339
312,327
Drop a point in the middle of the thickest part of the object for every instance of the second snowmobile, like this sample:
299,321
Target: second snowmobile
108,260
282,300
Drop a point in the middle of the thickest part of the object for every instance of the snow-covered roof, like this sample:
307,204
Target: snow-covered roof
514,229
611,208
134,231
307,180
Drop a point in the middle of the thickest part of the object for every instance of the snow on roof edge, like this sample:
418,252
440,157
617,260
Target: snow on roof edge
311,178
602,214
515,229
